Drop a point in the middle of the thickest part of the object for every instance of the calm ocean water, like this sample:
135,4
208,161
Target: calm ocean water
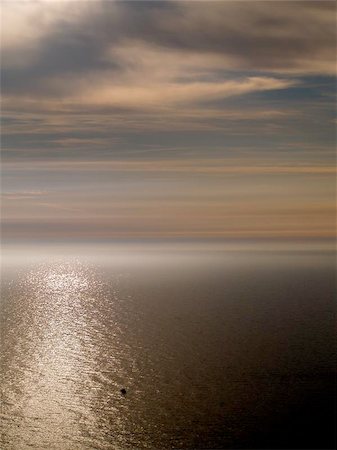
214,351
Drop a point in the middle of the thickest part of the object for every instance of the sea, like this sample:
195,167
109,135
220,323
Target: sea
214,349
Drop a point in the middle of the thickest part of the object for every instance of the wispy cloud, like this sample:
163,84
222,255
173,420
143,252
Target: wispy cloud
22,195
206,166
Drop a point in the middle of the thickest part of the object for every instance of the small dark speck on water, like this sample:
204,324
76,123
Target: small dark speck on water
123,391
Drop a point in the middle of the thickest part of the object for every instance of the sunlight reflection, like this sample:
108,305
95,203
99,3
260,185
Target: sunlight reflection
57,337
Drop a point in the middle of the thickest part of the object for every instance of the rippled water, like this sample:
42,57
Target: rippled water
213,352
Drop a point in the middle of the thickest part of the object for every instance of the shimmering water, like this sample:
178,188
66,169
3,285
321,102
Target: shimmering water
214,352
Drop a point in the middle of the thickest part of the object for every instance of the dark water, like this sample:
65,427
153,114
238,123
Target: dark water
232,351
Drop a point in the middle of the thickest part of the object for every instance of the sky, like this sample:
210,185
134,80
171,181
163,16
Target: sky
168,120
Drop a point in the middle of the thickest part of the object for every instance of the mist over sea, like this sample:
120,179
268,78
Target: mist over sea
215,349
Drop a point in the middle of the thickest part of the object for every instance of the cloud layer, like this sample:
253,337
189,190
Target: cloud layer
188,111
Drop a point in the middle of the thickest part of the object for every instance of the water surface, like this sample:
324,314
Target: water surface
215,351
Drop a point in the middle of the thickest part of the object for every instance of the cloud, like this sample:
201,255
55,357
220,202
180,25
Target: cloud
27,25
147,95
132,75
43,40
166,198
152,90
22,195
277,36
178,166
150,95
150,66
168,118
